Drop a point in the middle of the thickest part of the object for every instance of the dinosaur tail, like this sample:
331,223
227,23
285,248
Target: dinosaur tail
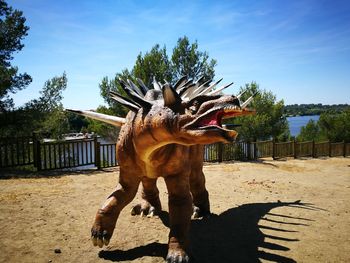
115,121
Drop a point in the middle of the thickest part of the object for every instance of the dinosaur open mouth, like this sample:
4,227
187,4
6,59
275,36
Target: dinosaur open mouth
213,119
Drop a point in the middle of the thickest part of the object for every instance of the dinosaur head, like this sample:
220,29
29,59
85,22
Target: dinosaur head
198,120
187,113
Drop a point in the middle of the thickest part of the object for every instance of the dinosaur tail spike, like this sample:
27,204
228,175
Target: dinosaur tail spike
115,121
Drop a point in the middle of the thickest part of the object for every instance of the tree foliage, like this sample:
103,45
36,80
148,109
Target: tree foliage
332,127
186,59
12,32
314,109
153,64
44,115
268,122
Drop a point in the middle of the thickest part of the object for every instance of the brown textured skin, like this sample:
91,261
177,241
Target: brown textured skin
154,144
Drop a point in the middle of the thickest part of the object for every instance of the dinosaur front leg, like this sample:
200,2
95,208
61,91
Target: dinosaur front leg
201,206
107,215
180,210
150,204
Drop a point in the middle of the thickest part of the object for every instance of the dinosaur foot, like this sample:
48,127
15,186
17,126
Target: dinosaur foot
176,254
200,213
145,209
103,227
177,257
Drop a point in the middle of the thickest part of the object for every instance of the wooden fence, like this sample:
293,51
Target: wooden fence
48,155
254,150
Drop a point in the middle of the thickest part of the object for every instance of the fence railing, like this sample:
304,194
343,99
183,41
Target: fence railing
47,155
16,151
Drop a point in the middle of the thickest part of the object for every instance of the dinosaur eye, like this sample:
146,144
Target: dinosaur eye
194,107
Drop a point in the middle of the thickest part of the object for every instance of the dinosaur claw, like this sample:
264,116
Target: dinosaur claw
178,259
106,237
136,210
151,214
106,241
99,243
94,241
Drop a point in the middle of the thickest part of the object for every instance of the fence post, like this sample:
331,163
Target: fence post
255,157
273,149
344,149
313,149
97,153
330,149
220,152
295,148
249,154
36,152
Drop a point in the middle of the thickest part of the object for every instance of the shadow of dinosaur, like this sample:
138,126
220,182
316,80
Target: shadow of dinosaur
233,236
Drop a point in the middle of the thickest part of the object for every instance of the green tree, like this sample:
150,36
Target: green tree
12,32
268,122
44,115
185,60
107,85
335,127
153,64
311,131
330,126
188,60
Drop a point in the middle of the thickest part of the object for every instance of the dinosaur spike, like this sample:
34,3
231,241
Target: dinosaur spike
188,82
208,89
249,100
125,101
171,98
240,95
135,97
221,89
142,86
180,82
135,88
200,80
115,121
191,93
156,85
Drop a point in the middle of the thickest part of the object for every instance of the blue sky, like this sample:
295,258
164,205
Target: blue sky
299,50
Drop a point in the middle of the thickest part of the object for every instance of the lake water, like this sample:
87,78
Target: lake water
295,123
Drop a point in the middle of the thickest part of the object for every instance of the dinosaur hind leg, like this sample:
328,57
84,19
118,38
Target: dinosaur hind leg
150,204
106,217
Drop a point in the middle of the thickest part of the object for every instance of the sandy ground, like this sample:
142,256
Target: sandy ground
279,211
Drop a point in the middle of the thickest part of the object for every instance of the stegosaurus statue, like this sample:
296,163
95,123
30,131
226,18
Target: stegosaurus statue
163,136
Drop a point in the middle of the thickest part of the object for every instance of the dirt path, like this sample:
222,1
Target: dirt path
259,217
